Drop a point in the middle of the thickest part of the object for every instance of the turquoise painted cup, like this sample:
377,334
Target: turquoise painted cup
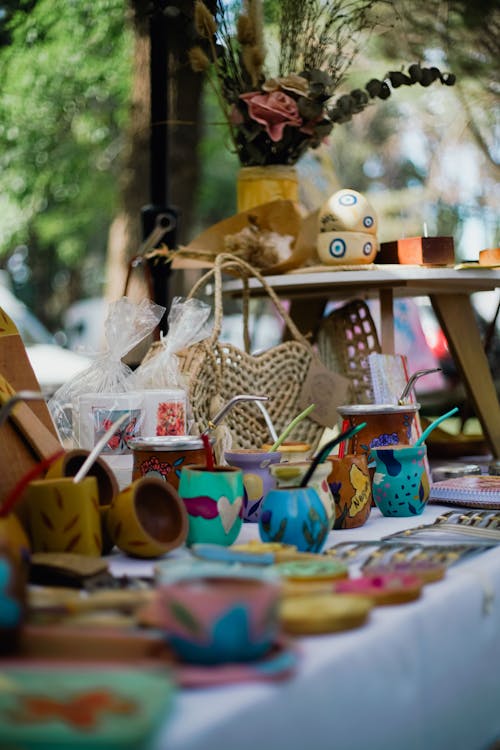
214,503
400,483
294,515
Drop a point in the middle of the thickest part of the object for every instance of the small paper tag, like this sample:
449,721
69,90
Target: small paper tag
327,390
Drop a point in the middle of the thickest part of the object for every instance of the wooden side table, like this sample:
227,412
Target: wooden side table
449,290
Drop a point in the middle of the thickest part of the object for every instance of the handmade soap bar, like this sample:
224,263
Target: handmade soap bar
421,251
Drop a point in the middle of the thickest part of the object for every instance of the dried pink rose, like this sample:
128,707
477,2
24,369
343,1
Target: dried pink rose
274,111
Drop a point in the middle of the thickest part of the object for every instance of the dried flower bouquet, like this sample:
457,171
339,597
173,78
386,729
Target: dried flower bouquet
275,118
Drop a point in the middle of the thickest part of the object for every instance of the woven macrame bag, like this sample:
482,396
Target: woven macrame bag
217,371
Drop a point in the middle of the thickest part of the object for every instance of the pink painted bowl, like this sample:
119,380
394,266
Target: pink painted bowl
216,613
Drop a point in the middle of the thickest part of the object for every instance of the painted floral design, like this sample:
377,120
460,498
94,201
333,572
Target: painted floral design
170,418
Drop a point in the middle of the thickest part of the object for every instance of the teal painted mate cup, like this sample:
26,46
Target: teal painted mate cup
214,503
400,483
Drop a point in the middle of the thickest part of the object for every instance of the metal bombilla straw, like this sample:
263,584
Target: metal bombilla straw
227,407
403,399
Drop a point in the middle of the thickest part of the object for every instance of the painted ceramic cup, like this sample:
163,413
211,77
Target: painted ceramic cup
98,411
257,477
64,516
350,485
290,475
107,485
214,502
165,456
386,425
71,461
294,515
292,450
164,412
147,519
400,483
214,613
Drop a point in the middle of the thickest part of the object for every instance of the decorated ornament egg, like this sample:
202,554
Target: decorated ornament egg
347,210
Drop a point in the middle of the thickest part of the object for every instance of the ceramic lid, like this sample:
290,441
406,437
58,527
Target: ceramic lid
368,409
168,443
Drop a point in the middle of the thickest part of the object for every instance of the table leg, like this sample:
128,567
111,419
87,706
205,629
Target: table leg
386,321
456,316
306,314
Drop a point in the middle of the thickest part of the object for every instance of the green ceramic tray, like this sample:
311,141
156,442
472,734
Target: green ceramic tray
76,707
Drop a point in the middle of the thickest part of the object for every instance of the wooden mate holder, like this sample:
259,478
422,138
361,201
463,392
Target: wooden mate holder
16,368
28,435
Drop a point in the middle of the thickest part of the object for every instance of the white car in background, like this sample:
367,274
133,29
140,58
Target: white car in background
53,364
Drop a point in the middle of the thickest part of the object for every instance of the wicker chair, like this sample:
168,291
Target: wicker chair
345,339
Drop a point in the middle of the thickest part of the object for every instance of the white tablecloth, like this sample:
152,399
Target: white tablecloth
418,676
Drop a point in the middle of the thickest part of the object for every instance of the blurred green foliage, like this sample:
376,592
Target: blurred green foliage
65,72
65,81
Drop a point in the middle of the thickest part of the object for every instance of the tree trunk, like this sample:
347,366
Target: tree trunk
125,231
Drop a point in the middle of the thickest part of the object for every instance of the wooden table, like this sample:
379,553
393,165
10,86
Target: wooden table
449,290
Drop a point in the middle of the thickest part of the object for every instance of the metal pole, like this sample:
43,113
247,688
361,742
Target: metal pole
159,215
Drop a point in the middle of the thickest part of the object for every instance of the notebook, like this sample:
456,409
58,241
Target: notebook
389,376
469,491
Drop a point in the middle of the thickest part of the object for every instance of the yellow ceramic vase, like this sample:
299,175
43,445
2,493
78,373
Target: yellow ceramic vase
258,185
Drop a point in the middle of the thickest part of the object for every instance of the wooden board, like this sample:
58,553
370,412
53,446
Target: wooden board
16,368
24,441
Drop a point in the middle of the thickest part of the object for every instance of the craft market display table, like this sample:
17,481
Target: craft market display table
420,676
449,290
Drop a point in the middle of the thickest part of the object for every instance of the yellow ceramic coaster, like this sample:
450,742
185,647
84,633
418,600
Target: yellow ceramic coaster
280,551
55,604
306,588
323,613
320,569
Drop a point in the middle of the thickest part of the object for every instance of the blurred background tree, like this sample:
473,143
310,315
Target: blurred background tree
65,73
74,138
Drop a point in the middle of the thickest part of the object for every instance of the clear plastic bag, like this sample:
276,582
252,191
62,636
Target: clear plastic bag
126,325
188,323
160,373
